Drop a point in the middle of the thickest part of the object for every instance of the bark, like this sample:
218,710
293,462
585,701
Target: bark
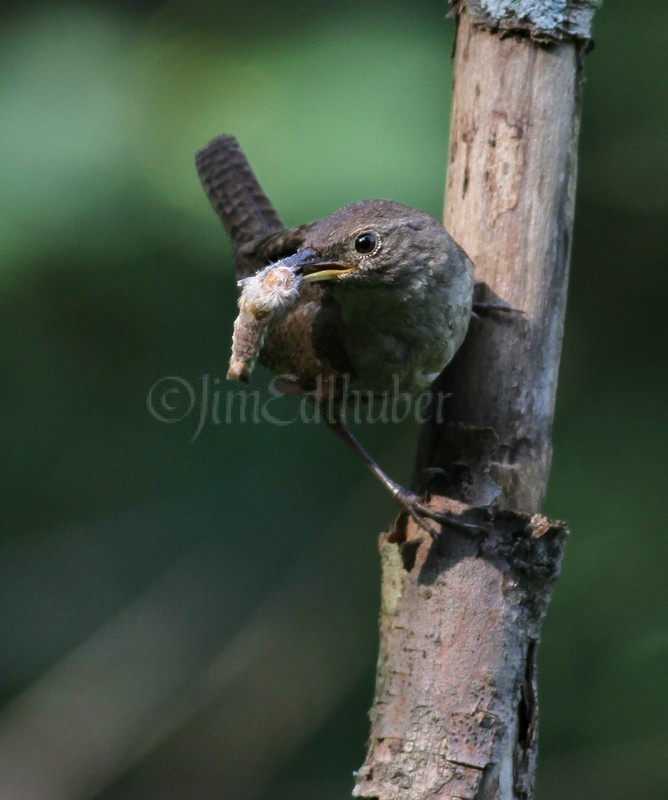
455,711
543,20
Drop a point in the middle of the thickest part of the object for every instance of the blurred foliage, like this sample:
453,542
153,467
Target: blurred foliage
241,566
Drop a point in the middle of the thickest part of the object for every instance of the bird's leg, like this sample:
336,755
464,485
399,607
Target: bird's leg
410,501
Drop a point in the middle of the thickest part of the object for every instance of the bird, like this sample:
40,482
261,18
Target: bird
385,298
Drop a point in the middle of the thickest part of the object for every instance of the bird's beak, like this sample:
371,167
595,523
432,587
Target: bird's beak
317,269
325,271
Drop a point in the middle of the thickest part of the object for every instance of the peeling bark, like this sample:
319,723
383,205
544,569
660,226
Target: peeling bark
455,709
455,714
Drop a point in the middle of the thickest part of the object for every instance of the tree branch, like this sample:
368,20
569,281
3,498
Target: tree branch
455,712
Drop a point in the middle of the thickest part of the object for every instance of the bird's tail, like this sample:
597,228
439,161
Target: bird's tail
234,191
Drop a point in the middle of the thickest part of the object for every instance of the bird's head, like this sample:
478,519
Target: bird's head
378,242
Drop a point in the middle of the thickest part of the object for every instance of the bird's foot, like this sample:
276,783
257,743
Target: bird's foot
422,514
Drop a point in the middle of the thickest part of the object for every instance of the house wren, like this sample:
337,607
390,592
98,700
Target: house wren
384,297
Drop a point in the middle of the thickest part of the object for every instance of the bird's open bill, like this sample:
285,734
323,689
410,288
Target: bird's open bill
323,274
317,269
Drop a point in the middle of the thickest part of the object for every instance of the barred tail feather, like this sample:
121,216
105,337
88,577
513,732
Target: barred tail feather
234,191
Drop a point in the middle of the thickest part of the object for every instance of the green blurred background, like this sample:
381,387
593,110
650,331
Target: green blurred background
197,619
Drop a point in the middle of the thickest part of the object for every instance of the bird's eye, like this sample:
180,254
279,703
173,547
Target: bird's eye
366,243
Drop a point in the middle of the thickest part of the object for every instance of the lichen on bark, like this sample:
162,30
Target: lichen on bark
543,20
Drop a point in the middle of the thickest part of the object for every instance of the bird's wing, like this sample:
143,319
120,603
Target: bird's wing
278,245
254,255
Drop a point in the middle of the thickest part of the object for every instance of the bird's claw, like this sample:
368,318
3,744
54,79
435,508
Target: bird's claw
420,513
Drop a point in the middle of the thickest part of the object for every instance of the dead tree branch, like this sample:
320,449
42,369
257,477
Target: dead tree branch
455,712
